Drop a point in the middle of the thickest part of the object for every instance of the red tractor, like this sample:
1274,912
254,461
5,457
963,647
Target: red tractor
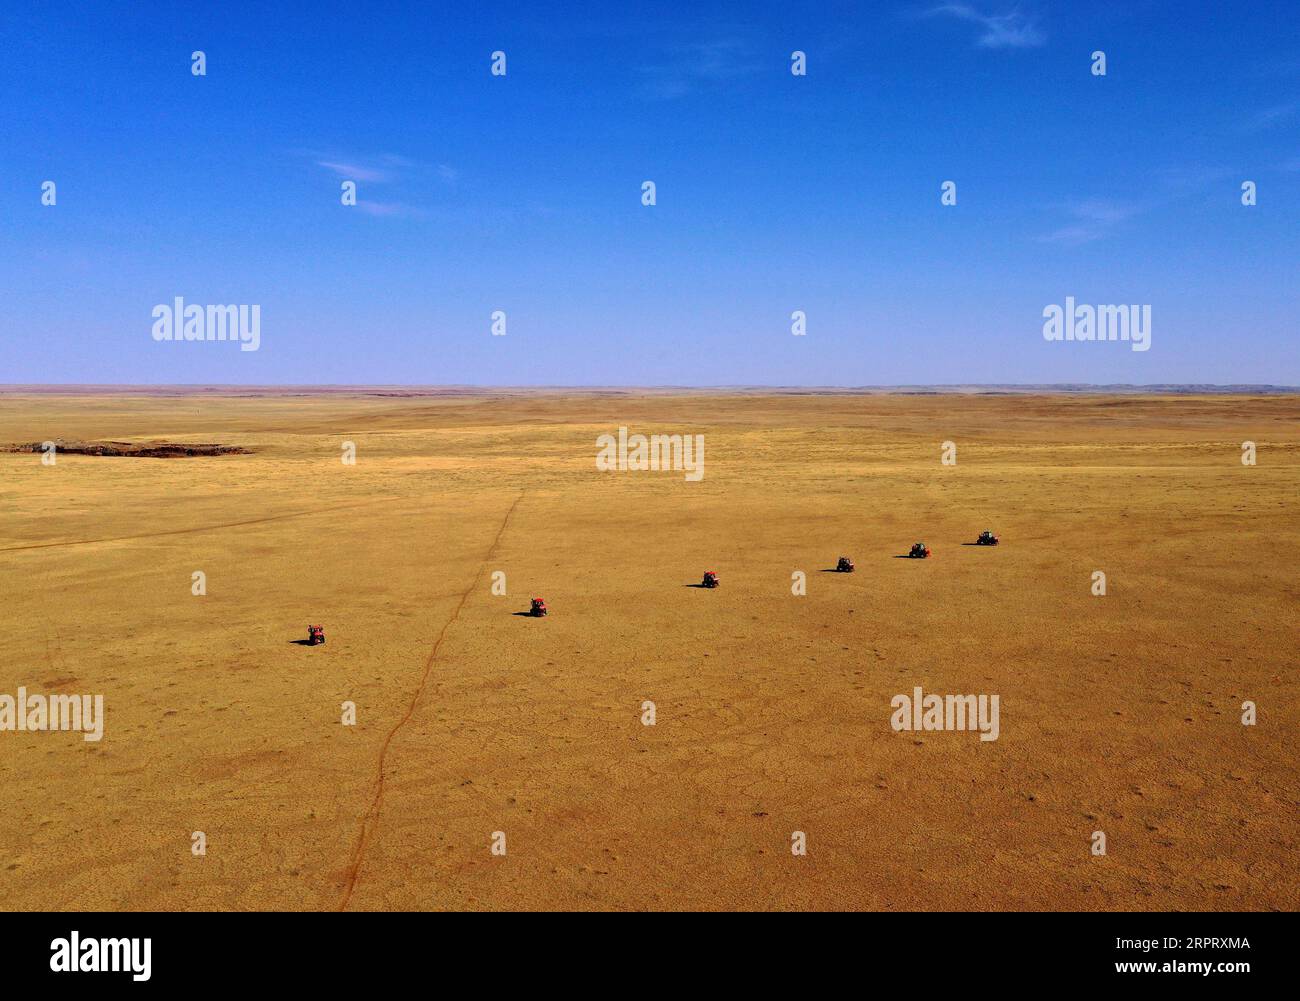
986,539
538,608
315,635
845,565
710,579
919,551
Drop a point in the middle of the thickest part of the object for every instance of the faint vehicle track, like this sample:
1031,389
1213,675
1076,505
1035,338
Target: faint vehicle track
370,821
189,531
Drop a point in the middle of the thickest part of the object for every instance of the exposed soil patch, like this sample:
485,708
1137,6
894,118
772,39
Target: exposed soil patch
135,450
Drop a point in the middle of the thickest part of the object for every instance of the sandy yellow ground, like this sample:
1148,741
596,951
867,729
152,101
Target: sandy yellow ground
1119,713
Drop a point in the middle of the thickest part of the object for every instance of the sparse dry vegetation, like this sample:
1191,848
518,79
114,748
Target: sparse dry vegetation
1119,713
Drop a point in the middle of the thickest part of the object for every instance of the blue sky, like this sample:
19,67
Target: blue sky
775,193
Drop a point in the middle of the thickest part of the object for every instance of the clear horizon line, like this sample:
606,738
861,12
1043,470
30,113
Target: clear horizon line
596,387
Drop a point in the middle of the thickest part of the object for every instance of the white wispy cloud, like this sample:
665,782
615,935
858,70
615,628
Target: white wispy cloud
356,171
1276,115
385,169
1012,30
1091,219
381,169
699,66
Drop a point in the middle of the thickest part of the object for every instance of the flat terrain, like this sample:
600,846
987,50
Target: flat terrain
1119,714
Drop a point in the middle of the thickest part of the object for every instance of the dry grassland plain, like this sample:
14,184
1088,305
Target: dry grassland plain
1120,714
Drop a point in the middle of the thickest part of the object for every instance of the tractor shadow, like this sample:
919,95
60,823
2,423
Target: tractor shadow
303,642
527,615
833,570
702,587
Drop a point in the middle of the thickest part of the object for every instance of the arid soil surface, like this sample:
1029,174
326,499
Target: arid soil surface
1119,713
